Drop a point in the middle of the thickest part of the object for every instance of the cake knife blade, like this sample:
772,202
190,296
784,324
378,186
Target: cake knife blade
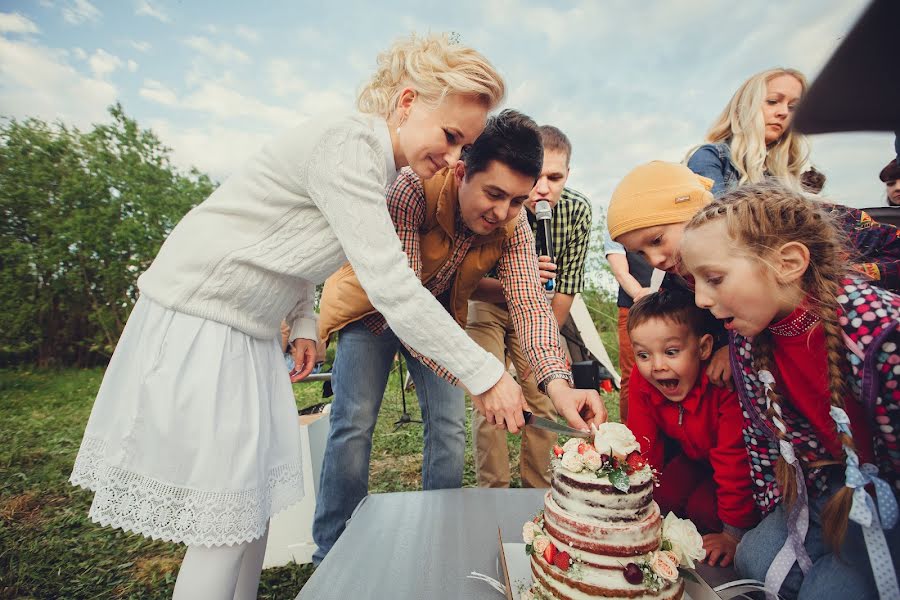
542,423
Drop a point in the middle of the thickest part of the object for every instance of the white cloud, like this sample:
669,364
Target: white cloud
103,63
214,149
16,23
224,52
283,78
77,12
140,46
34,79
132,66
226,103
157,92
251,35
145,9
79,53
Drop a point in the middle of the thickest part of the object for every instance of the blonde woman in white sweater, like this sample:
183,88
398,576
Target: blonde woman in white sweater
193,434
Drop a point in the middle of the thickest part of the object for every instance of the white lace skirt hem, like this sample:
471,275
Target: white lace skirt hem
160,511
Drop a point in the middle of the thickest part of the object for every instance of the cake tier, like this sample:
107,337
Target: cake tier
597,583
586,494
600,543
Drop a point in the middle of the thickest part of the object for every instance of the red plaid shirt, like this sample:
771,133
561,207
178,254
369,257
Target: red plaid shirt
517,270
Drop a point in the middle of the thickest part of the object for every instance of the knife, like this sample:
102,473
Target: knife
542,423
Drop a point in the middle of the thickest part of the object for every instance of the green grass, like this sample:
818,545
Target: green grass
49,548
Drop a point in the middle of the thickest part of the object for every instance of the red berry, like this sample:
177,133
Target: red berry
558,451
633,574
634,462
562,561
550,553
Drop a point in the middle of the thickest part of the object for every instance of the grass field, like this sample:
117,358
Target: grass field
48,547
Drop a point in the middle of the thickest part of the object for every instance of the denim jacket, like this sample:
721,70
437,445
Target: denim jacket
714,161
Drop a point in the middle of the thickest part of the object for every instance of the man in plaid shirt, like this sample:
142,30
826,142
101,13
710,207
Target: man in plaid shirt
455,227
489,321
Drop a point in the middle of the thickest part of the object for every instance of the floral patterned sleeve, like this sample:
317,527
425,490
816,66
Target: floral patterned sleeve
877,246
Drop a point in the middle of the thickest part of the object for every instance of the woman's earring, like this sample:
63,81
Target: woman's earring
402,121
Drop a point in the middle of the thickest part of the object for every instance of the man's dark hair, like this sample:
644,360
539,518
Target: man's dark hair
554,139
510,138
676,306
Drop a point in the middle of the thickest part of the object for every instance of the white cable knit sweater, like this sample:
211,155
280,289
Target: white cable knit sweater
251,254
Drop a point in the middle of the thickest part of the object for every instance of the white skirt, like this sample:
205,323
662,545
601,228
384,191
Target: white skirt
193,437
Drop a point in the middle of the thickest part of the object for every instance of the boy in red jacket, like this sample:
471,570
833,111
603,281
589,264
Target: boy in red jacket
708,478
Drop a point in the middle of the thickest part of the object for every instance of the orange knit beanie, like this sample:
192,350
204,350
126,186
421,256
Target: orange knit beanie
657,193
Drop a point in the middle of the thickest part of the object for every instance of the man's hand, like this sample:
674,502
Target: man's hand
577,407
503,404
719,547
644,291
304,353
719,369
546,269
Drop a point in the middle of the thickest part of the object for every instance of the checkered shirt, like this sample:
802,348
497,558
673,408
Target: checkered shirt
516,269
570,227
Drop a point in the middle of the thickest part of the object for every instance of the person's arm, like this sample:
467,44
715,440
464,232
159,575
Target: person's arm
707,162
618,264
877,246
887,406
731,472
345,178
538,331
489,290
561,304
570,262
641,421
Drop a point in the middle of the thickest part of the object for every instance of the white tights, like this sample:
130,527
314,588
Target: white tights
221,572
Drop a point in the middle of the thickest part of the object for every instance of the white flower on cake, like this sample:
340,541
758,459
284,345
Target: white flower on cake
573,461
528,532
665,565
540,543
686,541
572,445
592,459
617,438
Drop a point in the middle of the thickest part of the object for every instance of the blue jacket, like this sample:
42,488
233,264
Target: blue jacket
714,161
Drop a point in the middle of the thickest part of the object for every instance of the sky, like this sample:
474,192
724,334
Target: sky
629,82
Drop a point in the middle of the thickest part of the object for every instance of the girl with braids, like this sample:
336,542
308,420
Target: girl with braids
752,138
198,444
814,352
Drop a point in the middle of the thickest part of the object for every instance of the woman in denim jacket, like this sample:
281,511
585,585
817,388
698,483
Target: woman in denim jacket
752,138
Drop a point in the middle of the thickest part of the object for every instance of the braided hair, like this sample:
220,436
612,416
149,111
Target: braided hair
761,218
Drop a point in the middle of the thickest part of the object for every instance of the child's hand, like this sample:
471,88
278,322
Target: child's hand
719,369
719,547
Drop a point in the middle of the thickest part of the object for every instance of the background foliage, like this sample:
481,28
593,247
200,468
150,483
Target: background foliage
83,213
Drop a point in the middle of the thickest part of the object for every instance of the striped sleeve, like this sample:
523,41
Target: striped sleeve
531,315
570,277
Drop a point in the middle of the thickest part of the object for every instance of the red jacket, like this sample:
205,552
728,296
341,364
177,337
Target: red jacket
710,430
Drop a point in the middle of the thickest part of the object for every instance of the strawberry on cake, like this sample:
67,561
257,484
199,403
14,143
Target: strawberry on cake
600,534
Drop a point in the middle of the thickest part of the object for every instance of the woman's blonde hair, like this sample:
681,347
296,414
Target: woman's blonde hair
434,67
743,127
761,218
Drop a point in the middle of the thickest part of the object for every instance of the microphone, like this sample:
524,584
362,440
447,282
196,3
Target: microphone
543,214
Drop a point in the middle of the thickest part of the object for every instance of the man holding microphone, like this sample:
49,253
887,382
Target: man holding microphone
490,325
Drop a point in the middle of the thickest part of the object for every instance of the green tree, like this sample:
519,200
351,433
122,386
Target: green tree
83,215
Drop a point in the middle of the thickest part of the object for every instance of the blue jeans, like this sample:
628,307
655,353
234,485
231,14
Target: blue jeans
846,576
362,364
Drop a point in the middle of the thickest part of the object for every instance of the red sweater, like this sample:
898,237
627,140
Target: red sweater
710,431
801,375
